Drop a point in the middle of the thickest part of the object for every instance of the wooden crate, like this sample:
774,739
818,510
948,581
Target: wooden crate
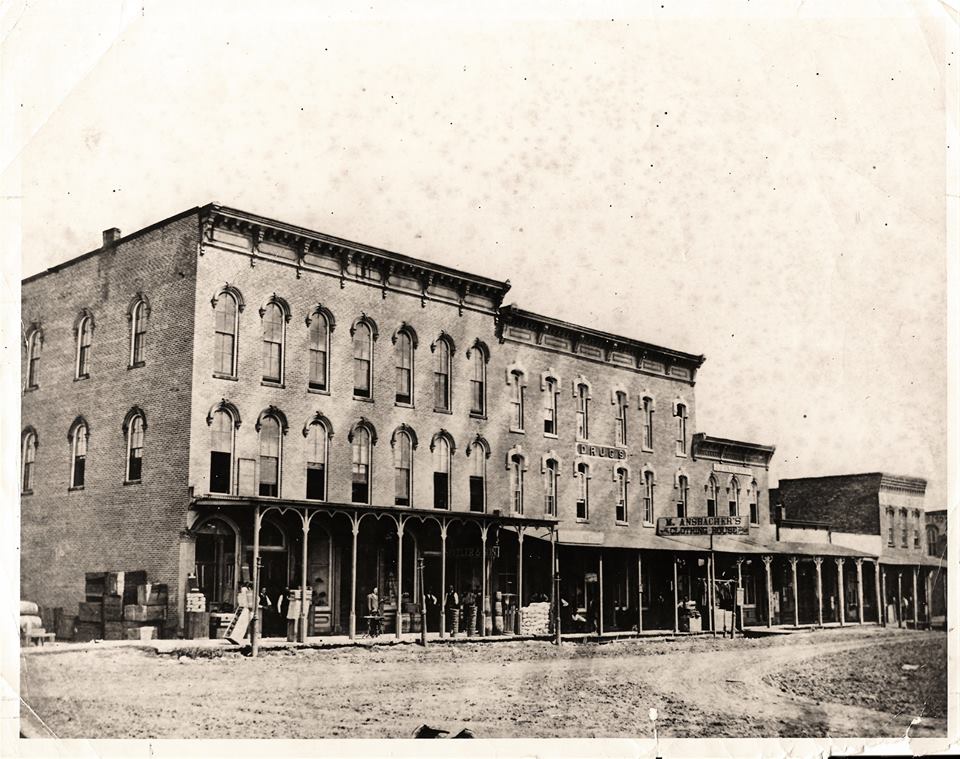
152,594
196,625
95,585
112,608
139,613
65,626
112,631
91,612
87,631
131,582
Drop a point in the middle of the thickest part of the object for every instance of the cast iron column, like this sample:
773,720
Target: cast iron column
355,528
767,561
519,613
443,579
796,603
876,589
859,562
817,561
302,637
399,578
600,596
899,598
639,591
839,562
916,606
676,600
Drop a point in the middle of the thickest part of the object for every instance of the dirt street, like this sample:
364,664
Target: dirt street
839,683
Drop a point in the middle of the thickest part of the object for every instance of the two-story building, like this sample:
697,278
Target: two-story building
883,517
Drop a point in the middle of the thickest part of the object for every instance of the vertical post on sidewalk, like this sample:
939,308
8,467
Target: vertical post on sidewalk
768,576
711,596
859,562
302,633
639,591
900,620
817,562
883,594
876,590
840,591
676,600
352,630
600,596
796,597
916,605
254,637
423,604
555,565
399,630
443,579
519,615
483,579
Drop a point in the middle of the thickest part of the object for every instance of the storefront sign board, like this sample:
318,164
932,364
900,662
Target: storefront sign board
703,526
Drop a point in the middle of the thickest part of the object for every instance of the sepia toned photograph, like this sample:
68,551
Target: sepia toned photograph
581,380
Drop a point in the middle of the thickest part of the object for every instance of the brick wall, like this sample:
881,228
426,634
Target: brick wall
849,503
110,526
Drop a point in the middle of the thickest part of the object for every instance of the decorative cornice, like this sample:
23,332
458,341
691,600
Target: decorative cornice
731,451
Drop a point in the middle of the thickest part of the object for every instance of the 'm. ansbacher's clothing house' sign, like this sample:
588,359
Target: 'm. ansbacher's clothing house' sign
702,526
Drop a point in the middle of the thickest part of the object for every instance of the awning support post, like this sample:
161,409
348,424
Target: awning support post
796,596
767,561
859,562
817,561
839,562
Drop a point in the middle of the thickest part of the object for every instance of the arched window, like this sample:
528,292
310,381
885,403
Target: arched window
478,476
904,528
441,375
754,502
550,399
516,482
621,480
734,491
84,340
713,490
360,490
316,457
273,329
680,412
404,356
891,526
583,412
225,335
269,456
135,448
516,389
34,344
648,487
647,408
78,445
550,472
583,491
27,458
621,425
441,472
319,352
478,382
403,469
916,528
138,333
683,491
362,360
221,451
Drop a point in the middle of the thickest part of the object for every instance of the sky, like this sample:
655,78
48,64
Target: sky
763,185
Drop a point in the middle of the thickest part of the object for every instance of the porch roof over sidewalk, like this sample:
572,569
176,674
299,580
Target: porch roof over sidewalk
924,560
228,502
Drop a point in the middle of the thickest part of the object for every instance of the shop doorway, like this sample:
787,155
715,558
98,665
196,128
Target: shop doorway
215,555
274,577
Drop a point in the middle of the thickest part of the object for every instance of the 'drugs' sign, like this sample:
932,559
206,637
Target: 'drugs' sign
702,526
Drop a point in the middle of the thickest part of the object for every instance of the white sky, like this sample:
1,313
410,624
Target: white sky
763,187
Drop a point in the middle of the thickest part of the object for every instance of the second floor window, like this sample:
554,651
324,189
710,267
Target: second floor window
29,456
316,459
648,497
221,452
273,343
754,503
891,528
135,449
403,469
621,420
478,477
225,335
404,357
441,473
683,491
903,528
84,339
441,375
621,514
516,482
734,497
360,489
713,488
362,360
550,397
583,491
78,468
269,456
916,529
583,413
550,487
932,538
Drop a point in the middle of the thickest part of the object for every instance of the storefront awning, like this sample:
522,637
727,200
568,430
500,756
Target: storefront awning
933,562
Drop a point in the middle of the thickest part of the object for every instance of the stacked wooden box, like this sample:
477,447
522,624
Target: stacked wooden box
535,619
117,605
196,620
149,610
